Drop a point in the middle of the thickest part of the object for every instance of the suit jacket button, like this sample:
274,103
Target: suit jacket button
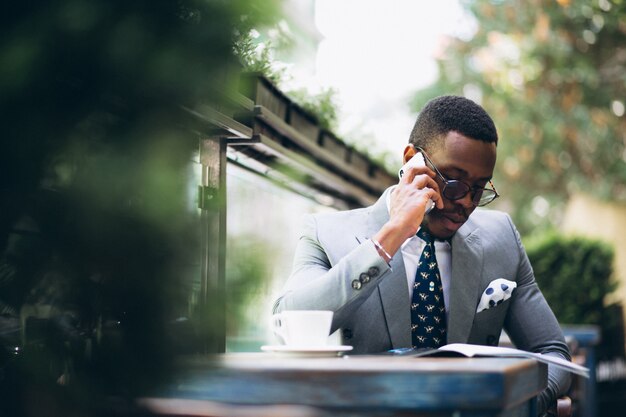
347,333
356,284
491,340
364,278
373,271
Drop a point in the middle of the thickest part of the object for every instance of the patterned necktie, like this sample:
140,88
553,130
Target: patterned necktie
428,313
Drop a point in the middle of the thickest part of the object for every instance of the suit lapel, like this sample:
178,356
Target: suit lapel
394,296
467,266
465,286
393,289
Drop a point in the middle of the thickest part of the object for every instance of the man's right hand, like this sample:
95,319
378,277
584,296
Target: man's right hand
408,207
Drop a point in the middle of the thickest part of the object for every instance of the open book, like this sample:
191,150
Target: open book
462,349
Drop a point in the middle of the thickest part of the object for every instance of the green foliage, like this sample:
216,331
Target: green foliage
257,57
322,105
98,238
257,54
575,275
551,75
248,267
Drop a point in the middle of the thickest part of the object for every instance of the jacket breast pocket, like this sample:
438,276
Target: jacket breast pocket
487,325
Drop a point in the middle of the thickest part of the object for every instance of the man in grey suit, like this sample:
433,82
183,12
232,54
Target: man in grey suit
362,263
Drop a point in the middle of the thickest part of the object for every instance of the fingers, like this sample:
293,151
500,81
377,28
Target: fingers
435,196
423,181
423,178
413,171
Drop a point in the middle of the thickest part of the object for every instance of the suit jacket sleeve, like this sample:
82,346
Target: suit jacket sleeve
339,282
532,326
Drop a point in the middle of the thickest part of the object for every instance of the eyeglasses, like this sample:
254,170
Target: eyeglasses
456,190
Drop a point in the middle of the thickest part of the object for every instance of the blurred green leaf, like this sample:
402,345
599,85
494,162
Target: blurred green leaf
99,243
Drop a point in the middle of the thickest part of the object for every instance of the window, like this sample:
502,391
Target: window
263,227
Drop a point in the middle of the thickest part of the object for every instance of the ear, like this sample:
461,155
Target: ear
409,152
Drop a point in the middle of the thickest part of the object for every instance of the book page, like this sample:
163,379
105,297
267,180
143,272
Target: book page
479,350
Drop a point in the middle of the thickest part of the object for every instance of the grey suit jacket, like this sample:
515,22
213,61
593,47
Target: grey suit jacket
337,268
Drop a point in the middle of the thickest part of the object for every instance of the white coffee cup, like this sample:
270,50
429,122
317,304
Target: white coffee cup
306,328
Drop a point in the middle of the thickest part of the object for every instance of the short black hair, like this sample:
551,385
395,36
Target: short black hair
445,114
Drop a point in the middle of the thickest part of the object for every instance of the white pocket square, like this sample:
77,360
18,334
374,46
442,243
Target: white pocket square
496,292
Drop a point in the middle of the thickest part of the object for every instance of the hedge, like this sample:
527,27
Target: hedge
575,275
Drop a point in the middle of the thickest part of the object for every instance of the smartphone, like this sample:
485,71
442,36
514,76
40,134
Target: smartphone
416,161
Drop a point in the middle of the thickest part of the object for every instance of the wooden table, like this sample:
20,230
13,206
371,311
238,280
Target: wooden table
369,385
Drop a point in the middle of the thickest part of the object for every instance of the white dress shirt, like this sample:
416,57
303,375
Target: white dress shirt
412,251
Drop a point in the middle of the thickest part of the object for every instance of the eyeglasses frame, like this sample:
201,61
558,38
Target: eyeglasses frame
470,190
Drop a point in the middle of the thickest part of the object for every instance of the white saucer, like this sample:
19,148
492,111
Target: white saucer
302,351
